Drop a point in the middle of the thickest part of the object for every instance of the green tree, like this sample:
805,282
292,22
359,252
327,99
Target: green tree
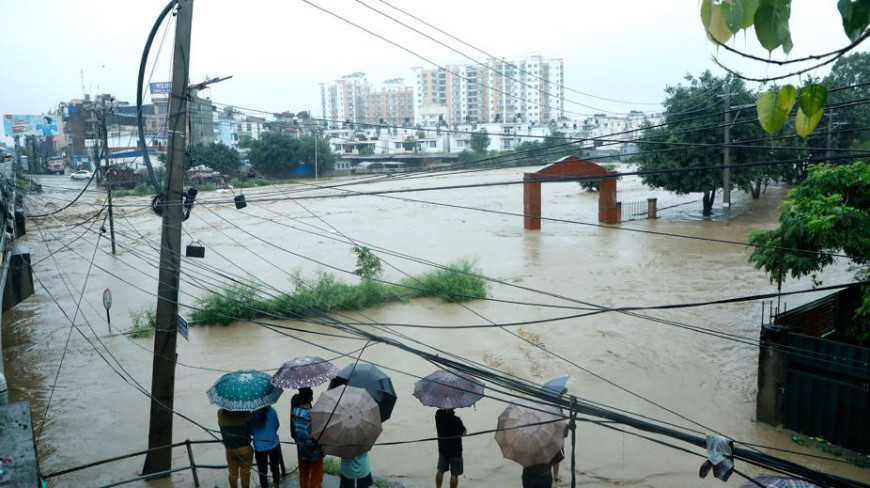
217,156
827,214
479,141
851,70
367,150
368,264
692,137
325,156
770,20
274,154
593,185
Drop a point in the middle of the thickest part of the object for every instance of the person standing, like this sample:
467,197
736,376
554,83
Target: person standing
356,472
267,445
310,455
537,476
237,440
450,431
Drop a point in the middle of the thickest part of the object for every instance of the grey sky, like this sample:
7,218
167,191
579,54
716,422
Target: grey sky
278,50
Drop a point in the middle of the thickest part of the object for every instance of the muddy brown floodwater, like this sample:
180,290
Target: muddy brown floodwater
97,410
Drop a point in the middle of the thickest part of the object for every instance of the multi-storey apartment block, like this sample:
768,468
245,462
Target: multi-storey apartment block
527,90
353,99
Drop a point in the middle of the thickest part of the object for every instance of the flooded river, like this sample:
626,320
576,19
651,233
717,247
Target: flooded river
97,410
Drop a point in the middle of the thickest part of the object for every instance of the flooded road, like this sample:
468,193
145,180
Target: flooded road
699,381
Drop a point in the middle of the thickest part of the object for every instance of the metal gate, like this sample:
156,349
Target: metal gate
827,391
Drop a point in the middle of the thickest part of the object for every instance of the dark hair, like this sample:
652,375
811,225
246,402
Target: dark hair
306,395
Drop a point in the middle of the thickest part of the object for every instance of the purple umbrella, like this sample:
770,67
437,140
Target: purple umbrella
304,371
448,389
778,482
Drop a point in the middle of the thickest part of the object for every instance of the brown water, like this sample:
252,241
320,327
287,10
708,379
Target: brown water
96,413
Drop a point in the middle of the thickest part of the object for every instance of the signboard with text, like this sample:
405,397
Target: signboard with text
184,328
30,125
161,88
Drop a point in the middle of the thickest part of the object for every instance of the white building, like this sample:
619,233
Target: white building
529,90
353,99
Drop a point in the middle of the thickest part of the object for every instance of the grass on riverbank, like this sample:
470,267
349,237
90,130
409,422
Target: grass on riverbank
458,282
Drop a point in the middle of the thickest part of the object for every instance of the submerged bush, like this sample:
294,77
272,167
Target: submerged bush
144,322
325,293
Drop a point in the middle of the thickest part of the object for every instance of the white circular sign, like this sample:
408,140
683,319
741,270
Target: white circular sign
107,298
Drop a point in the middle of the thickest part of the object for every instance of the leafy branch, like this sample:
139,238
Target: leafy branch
770,18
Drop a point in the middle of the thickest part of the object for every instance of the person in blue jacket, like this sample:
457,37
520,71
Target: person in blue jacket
267,445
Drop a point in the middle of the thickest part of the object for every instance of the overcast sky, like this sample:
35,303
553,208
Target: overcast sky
279,50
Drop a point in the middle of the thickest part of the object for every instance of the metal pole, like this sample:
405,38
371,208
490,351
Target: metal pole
166,335
192,464
107,182
316,129
726,149
573,426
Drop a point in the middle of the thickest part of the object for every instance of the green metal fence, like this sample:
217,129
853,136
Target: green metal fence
827,391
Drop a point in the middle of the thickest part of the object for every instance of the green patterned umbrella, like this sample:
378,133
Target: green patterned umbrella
245,390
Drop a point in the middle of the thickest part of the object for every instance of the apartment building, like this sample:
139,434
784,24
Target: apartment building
529,90
353,99
392,104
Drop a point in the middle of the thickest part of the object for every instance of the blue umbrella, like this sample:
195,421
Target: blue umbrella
556,386
245,390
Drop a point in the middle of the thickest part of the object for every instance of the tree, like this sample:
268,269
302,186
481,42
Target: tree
593,185
325,156
770,19
479,141
687,140
274,154
851,70
828,214
367,150
216,155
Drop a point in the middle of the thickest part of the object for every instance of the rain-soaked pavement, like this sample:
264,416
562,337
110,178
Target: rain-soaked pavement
699,381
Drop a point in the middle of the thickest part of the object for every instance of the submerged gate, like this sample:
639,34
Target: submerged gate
811,384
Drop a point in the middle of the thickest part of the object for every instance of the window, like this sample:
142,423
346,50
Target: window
432,144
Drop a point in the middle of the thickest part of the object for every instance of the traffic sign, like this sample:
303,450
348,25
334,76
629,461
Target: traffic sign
107,298
184,328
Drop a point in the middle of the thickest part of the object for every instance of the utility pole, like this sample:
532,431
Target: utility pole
726,149
159,461
106,172
316,129
830,131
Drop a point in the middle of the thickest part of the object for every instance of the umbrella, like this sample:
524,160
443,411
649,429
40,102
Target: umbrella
778,482
373,380
346,421
448,389
556,386
244,390
304,371
530,444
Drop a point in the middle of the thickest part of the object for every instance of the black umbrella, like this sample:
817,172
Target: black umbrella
372,380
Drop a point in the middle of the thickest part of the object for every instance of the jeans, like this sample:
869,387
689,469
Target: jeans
311,474
239,462
269,460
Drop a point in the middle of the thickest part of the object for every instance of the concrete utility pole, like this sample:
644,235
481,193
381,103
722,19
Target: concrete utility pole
106,172
316,129
159,461
726,149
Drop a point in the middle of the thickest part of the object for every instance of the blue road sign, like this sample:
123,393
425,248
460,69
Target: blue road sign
184,328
